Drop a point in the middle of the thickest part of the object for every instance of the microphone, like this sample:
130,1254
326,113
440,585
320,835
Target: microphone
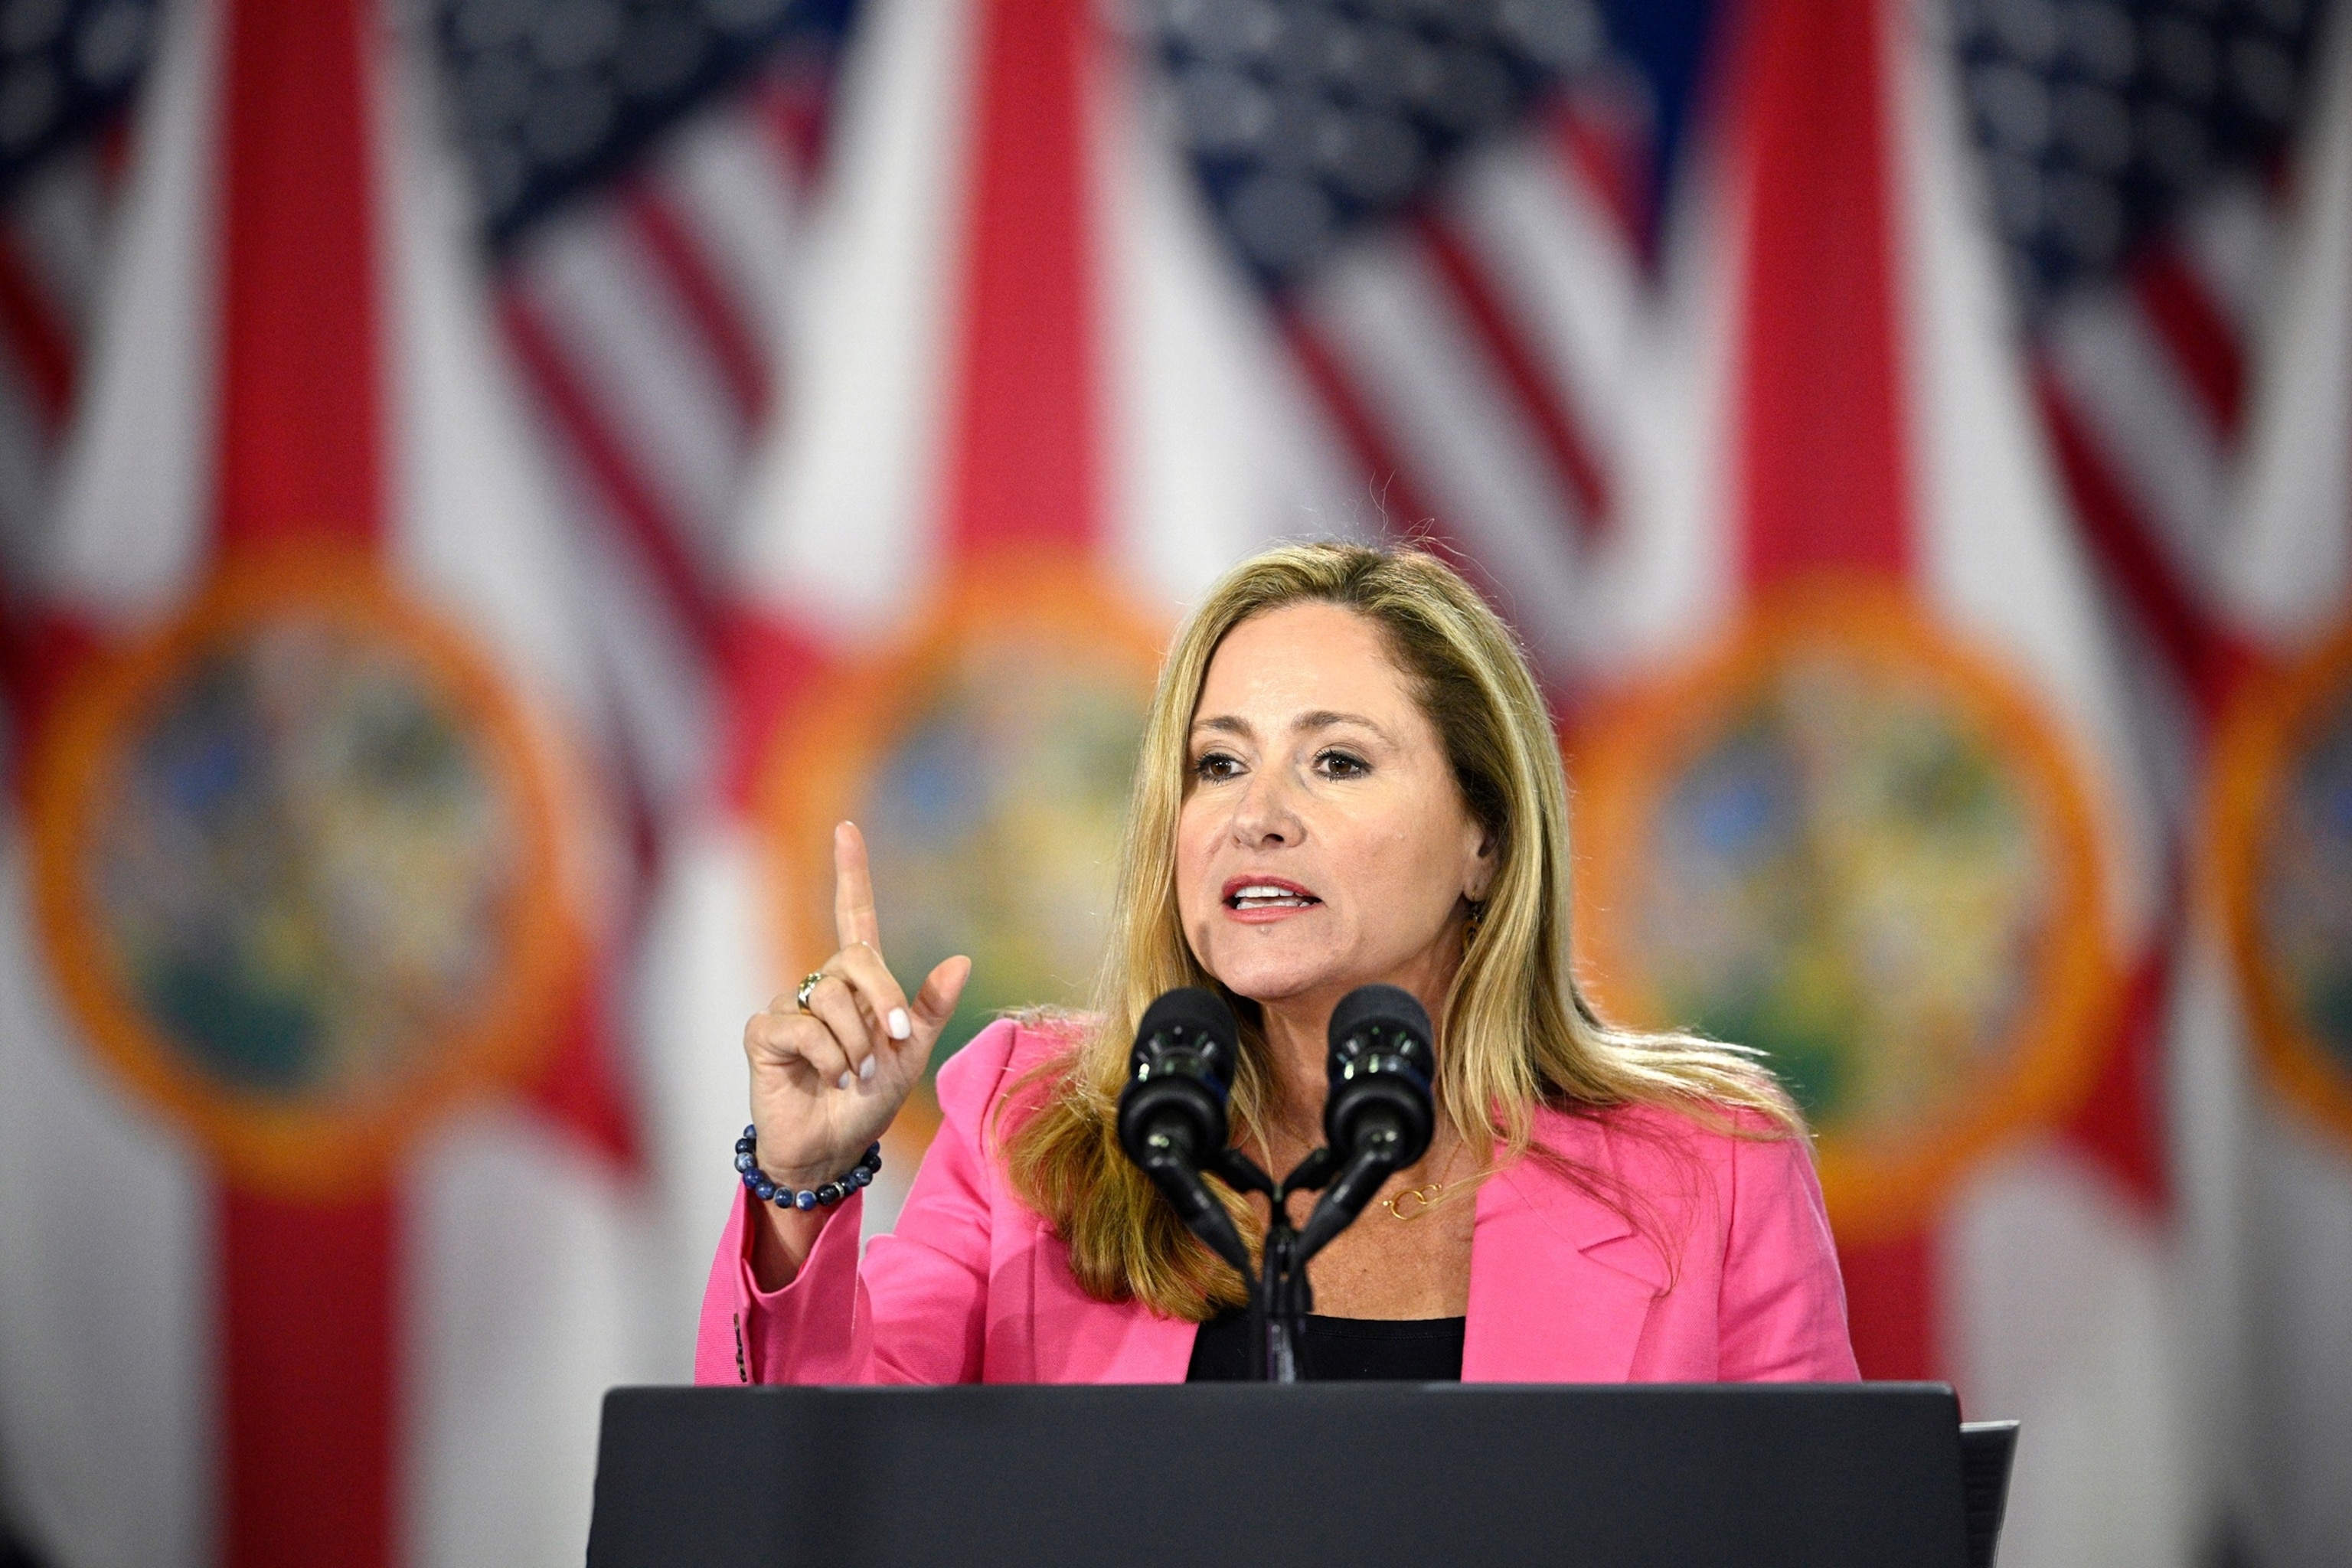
1378,1112
1171,1114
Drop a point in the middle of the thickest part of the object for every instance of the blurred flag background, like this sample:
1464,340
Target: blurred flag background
485,484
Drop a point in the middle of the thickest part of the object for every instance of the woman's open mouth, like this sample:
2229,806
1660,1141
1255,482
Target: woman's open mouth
1267,895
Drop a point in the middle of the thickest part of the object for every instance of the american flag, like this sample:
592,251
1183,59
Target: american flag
1465,219
1454,212
2135,158
2136,163
644,170
641,169
67,69
1454,209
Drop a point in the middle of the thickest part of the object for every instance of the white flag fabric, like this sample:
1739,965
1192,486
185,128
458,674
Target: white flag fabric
2265,1070
524,1229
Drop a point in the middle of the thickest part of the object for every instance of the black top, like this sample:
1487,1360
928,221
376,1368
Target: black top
1337,1350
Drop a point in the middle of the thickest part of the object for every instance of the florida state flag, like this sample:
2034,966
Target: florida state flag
967,541
1862,798
2267,1007
311,877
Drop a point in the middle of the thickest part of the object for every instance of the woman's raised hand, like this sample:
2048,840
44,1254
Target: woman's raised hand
825,1082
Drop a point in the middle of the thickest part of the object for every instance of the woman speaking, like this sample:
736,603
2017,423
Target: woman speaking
1348,777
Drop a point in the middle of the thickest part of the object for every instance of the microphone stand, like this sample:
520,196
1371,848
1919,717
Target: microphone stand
1383,1120
1280,1297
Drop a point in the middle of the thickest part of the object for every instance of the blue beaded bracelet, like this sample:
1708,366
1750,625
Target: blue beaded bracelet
747,1163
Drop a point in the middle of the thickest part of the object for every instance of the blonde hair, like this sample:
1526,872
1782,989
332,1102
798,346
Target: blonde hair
1515,1032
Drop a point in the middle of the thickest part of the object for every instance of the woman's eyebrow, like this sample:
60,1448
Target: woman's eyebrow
1316,718
1324,718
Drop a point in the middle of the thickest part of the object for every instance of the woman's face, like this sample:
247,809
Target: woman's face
1323,843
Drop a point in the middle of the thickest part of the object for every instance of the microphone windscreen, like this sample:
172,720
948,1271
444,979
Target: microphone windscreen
1385,1006
1197,1011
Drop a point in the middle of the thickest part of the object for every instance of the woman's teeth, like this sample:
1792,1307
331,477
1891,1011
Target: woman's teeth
1270,899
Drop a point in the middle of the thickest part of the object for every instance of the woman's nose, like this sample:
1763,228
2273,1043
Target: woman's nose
1266,813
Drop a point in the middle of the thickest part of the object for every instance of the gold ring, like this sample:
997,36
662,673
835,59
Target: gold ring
808,985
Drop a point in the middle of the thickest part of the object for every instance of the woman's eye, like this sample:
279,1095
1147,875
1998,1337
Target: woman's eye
1216,765
1341,765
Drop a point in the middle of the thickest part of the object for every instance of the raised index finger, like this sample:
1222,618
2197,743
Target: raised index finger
853,890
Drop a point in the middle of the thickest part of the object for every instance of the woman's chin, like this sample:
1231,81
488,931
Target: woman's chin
1271,982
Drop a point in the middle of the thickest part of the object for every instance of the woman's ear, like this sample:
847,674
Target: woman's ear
1483,866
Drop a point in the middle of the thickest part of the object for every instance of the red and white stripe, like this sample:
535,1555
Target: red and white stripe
2267,1193
1483,360
653,323
2143,385
1753,445
523,1264
1475,360
940,403
53,233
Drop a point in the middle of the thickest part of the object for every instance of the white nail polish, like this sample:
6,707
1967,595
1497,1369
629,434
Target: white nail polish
866,1068
847,1080
900,1028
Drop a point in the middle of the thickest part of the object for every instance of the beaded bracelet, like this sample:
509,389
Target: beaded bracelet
747,1161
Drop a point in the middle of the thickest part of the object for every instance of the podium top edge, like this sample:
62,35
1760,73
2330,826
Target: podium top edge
1873,1390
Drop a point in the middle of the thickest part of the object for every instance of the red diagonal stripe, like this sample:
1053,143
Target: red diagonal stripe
38,337
657,535
790,101
2121,1122
1597,142
2181,309
765,663
2208,660
1821,462
1555,428
41,651
1405,511
1403,505
583,1088
677,254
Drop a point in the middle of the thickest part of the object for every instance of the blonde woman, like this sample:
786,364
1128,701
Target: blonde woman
1347,776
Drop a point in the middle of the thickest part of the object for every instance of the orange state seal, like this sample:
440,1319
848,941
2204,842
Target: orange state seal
2280,848
988,759
296,865
1848,841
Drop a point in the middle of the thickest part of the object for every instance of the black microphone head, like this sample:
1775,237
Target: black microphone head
1180,1074
1381,1068
1190,1015
1391,1009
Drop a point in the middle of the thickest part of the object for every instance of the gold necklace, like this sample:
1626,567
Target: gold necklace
1424,1198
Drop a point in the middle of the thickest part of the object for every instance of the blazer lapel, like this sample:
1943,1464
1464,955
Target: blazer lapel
1560,1283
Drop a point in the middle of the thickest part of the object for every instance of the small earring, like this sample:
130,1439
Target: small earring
1477,915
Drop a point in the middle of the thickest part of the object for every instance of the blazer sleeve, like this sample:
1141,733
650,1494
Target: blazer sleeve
913,1310
1782,1307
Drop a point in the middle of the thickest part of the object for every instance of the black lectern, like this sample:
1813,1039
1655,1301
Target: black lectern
1366,1474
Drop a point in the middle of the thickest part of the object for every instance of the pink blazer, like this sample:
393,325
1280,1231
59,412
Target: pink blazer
972,1287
